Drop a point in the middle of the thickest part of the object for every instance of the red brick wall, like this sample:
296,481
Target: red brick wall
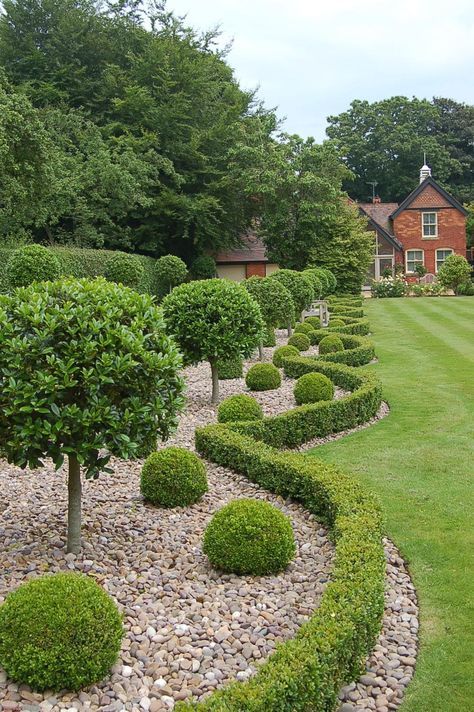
451,232
430,198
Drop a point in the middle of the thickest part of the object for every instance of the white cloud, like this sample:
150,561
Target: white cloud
313,57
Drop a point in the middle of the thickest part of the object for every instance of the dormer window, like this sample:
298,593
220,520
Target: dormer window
429,223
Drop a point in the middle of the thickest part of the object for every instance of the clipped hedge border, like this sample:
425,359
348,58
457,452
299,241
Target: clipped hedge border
358,350
360,327
307,671
345,310
314,420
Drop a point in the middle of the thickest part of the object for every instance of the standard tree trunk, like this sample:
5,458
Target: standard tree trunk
290,329
260,351
215,382
74,507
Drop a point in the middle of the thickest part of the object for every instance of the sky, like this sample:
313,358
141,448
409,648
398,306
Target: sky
311,58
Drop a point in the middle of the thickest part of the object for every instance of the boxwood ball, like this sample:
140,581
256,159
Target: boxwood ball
173,477
59,632
249,536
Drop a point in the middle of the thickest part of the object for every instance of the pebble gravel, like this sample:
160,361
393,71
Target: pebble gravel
188,629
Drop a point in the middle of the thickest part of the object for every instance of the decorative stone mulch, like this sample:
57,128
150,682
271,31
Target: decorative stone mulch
392,662
189,630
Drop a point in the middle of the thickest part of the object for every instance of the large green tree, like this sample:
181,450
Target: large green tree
384,141
166,106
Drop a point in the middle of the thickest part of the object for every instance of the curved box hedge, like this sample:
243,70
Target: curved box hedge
305,422
358,351
307,672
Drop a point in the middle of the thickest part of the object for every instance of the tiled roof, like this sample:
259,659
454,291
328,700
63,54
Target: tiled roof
380,213
251,250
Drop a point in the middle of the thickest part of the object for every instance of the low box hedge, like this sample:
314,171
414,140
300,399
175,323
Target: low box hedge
308,671
358,350
346,310
303,423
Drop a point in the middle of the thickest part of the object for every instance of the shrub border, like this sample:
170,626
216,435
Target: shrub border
358,350
307,671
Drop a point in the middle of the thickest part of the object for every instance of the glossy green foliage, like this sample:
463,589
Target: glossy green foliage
31,263
213,319
85,367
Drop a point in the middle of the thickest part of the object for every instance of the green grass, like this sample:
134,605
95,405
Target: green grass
420,460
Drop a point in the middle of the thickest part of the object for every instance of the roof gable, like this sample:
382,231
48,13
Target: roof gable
378,214
428,182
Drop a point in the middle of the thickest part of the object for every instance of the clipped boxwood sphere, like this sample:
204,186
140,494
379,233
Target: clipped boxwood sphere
283,352
249,536
32,263
230,368
336,322
304,328
313,387
300,341
263,377
313,321
203,267
173,477
239,407
59,632
330,343
124,269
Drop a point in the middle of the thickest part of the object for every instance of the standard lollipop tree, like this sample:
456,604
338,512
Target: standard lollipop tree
274,300
300,287
213,320
86,371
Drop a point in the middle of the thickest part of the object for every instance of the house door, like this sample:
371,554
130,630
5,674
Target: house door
382,263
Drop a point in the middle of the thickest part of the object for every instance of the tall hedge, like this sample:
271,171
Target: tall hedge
78,262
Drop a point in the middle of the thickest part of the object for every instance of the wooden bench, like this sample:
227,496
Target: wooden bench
318,308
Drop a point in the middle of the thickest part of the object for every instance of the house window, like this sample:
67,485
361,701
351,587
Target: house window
430,224
442,255
414,258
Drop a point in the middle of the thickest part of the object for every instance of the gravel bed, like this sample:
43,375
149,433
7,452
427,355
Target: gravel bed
188,629
392,663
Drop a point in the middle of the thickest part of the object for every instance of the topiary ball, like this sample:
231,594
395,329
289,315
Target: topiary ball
283,352
59,632
263,377
313,321
336,322
313,387
203,267
230,368
304,328
300,341
173,477
239,407
330,344
124,269
32,263
249,536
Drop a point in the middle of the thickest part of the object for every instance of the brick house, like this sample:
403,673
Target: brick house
248,259
427,227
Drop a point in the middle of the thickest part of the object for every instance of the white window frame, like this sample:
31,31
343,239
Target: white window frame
429,224
414,260
442,249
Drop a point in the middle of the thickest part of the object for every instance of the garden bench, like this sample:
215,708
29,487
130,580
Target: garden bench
318,308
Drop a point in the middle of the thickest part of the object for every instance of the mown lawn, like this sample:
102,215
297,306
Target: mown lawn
420,460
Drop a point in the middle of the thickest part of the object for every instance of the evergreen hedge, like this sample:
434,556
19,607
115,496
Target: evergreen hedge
78,262
303,423
308,671
358,350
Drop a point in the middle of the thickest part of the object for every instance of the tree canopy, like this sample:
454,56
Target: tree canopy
384,141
